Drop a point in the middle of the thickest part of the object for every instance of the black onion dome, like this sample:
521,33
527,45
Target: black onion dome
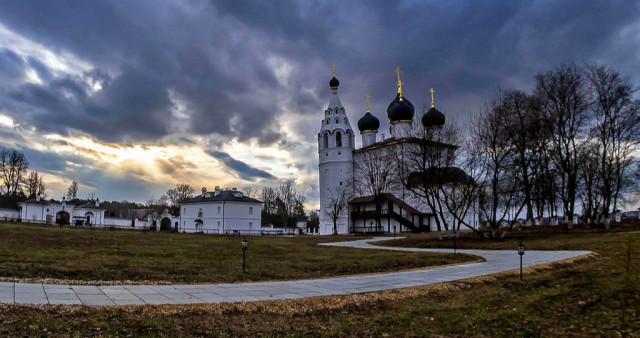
334,83
400,111
368,123
433,119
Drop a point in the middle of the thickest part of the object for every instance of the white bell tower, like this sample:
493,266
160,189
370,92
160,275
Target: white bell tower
336,143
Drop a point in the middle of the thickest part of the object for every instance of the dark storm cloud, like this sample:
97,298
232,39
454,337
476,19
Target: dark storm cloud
220,62
215,57
11,65
245,171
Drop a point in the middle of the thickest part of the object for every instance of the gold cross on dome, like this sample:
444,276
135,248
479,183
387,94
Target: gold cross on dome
367,97
398,72
433,105
333,70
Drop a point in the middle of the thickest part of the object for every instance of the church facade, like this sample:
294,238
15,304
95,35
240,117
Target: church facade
362,190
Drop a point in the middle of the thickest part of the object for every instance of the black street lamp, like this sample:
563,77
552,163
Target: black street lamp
244,253
521,252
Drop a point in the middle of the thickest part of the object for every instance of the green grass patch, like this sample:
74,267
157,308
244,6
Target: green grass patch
30,251
597,296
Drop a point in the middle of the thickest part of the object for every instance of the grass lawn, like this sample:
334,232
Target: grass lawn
30,251
591,297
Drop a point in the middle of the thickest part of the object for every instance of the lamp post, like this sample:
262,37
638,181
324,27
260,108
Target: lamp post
244,253
521,252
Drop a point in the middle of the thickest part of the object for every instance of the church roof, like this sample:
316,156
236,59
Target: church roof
393,141
224,195
445,175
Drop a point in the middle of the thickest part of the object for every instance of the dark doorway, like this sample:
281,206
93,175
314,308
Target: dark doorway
165,224
62,218
89,217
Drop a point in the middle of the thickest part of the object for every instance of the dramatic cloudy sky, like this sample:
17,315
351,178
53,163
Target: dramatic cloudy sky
131,97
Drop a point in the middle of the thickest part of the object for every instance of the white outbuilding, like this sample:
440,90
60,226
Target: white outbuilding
37,210
222,211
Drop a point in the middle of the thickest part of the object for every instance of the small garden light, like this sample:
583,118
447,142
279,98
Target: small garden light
521,253
245,243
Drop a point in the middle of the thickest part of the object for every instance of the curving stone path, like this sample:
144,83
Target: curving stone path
496,261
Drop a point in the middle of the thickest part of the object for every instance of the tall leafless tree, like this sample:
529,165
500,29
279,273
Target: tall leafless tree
427,167
616,129
589,187
13,171
337,207
500,199
522,126
374,175
72,191
34,185
563,96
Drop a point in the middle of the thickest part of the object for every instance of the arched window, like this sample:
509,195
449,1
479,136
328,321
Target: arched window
325,141
337,120
328,121
329,111
345,120
338,139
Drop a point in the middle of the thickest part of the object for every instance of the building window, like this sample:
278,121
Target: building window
219,210
339,153
250,225
337,120
340,182
250,210
200,212
325,141
338,139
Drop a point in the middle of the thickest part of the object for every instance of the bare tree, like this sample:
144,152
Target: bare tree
72,192
562,94
589,187
251,192
374,176
282,205
180,193
426,165
268,196
291,203
522,126
497,177
35,185
92,196
336,207
616,130
13,169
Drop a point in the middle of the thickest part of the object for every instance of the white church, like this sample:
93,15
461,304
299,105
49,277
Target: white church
340,169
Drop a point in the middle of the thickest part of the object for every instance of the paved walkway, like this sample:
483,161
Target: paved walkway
497,261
